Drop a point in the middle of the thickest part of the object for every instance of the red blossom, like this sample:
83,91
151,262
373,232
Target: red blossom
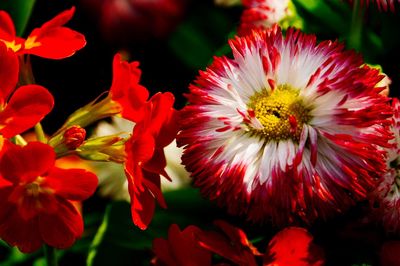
180,249
293,246
37,203
126,90
231,244
25,107
52,40
145,158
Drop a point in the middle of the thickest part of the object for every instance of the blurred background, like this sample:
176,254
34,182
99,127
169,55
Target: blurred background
173,40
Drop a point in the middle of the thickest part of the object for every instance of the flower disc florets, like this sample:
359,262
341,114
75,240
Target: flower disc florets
281,113
288,129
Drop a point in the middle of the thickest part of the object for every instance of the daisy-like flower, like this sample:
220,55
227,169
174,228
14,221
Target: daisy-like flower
21,108
52,40
385,199
384,5
262,14
288,128
37,197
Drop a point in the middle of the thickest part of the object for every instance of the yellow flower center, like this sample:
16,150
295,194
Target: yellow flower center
12,45
281,112
31,43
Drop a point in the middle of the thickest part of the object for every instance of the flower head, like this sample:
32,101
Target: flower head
22,108
52,40
288,129
262,14
381,4
37,198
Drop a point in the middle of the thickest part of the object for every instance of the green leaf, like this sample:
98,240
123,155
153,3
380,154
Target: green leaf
20,11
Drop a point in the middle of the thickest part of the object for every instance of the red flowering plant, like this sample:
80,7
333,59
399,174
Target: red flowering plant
283,132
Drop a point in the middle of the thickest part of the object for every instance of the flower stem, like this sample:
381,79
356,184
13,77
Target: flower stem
355,33
40,133
50,255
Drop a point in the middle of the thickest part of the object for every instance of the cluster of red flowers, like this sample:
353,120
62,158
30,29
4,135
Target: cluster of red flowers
38,197
193,246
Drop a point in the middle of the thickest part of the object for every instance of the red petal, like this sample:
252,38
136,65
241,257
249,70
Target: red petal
8,72
72,184
62,228
7,29
142,206
55,43
292,246
25,164
180,249
59,20
127,91
27,106
21,233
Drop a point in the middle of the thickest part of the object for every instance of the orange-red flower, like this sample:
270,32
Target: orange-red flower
145,158
25,107
52,40
293,246
37,198
231,244
126,90
180,249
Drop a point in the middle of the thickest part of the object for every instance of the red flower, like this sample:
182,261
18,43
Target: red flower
232,244
126,90
51,40
381,4
37,201
293,246
180,249
145,158
25,107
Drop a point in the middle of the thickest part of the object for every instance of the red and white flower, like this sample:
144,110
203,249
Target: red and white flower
385,199
262,14
381,4
288,128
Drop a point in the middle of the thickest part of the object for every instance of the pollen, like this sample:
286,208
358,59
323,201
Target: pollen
281,112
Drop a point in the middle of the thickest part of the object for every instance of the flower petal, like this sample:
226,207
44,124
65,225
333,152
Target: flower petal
27,106
7,29
60,229
21,233
54,41
24,164
8,71
127,91
72,184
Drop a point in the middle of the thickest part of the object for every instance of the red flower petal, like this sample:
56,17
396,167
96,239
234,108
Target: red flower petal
25,164
232,245
72,184
389,253
19,232
142,205
7,29
180,249
27,106
54,41
8,71
126,90
293,246
62,228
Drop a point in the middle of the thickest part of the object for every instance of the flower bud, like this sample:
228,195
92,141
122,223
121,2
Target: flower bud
74,136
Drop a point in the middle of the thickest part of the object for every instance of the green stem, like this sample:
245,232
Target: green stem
40,133
50,255
355,33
